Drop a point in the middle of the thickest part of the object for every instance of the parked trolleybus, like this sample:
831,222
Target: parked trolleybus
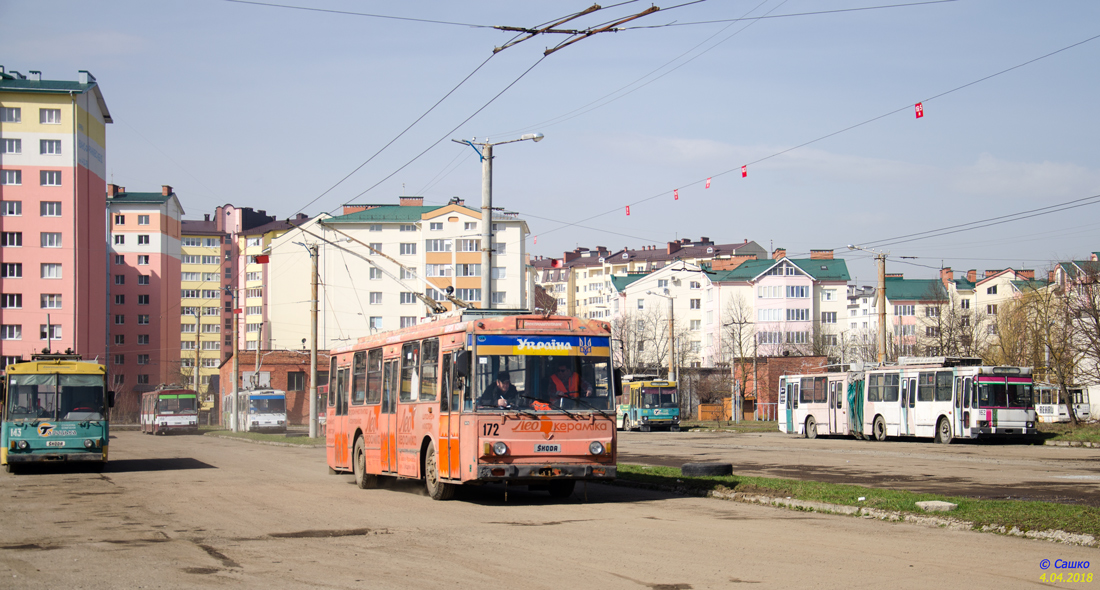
55,410
1049,408
920,397
261,410
169,410
647,403
422,403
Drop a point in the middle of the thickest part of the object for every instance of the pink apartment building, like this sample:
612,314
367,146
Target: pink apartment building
144,320
53,254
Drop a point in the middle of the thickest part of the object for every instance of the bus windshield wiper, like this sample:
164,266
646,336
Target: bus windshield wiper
590,406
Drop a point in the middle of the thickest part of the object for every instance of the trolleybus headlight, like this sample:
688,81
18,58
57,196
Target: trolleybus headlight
23,445
500,448
89,443
1031,425
596,448
645,418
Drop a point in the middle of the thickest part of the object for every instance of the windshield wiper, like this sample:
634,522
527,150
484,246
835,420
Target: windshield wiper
590,406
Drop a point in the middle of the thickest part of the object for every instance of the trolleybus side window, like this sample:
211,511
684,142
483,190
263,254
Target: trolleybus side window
332,384
410,371
342,391
958,392
926,387
445,385
943,386
967,387
891,387
359,378
429,369
374,376
874,388
389,378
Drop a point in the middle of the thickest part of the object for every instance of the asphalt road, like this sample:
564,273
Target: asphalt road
1069,475
202,512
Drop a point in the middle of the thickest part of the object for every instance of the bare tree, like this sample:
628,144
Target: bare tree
643,341
950,326
739,342
1054,328
545,302
1083,299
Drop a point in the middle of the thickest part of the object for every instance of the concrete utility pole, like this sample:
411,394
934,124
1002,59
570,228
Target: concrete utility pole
236,366
313,254
486,154
880,298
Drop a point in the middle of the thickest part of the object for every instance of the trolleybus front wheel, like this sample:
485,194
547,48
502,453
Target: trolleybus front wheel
359,465
811,427
879,428
438,490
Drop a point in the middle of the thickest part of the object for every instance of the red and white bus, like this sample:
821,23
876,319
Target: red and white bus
169,410
419,403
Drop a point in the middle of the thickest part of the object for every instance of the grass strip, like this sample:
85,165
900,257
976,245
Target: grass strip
1024,515
292,439
1064,431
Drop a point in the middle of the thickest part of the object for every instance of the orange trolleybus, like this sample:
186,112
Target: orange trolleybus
423,403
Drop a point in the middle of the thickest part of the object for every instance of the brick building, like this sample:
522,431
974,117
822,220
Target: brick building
287,370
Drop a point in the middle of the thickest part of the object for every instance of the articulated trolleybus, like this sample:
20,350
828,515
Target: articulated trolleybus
648,404
939,398
55,410
169,410
422,403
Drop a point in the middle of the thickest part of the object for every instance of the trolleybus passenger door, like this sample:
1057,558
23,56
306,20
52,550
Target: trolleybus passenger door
792,403
387,421
343,437
447,413
782,419
911,414
967,395
903,413
839,422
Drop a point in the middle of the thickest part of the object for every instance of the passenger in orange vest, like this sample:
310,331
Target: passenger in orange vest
566,383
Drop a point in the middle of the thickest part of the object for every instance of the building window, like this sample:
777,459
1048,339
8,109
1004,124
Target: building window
696,324
143,359
253,292
143,220
408,227
407,298
185,242
468,294
437,245
120,279
11,208
11,146
49,177
250,310
407,321
296,381
500,297
435,226
932,312
12,239
49,116
964,303
408,249
190,293
828,317
13,301
120,300
120,239
797,291
120,359
143,239
641,304
468,245
11,177
211,345
798,315
143,320
469,226
375,273
49,332
375,227
11,270
51,271
467,270
120,319
932,332
120,259
500,272
187,328
904,310
143,339
214,328
376,298
696,304
49,147
828,295
437,270
11,115
375,323
143,279
51,301
991,309
991,290
500,248
210,260
143,379
695,285
797,337
376,246
143,259
11,332
51,239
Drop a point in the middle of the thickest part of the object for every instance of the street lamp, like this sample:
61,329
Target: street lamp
672,376
486,154
880,297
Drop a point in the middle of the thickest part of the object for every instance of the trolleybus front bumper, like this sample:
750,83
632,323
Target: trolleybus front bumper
16,457
995,431
536,473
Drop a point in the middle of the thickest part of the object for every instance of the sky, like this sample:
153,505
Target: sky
290,110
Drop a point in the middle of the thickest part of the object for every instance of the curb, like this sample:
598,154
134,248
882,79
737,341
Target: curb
885,515
1071,443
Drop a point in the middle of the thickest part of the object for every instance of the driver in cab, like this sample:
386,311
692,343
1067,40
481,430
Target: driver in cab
501,394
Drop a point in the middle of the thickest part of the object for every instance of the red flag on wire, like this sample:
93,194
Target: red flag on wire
744,171
556,263
919,108
708,184
536,239
628,209
675,194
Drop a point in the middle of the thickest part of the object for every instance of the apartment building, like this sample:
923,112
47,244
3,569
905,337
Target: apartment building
254,283
205,321
53,251
581,280
144,250
375,258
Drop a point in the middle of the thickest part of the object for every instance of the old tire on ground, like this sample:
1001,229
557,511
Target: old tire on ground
364,480
437,489
706,469
811,427
943,431
879,429
562,488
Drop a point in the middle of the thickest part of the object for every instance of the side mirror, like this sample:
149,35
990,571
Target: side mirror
462,363
617,376
110,399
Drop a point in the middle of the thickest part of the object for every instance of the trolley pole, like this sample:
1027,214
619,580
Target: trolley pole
313,343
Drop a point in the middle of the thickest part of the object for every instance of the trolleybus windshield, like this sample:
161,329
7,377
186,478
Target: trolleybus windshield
658,397
532,364
176,405
55,397
267,405
1004,395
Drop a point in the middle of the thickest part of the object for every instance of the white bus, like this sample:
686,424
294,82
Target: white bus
812,405
1048,408
930,398
261,410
